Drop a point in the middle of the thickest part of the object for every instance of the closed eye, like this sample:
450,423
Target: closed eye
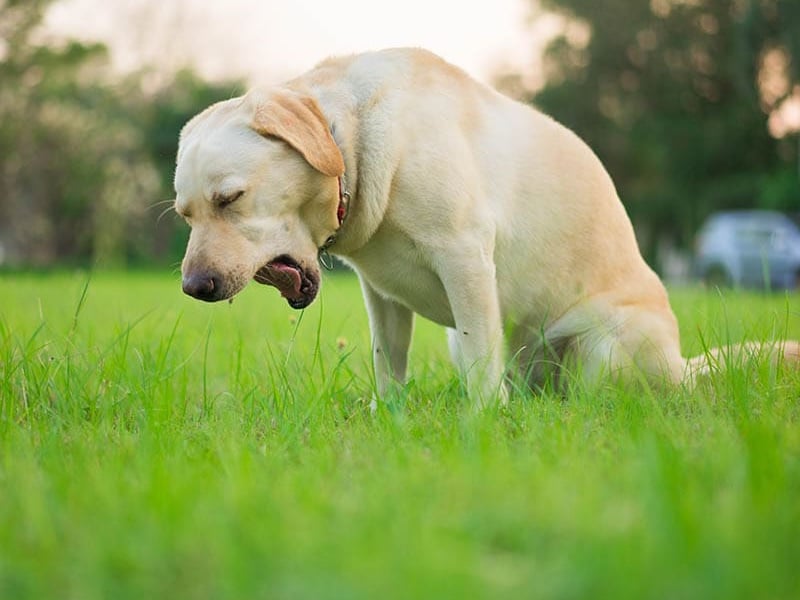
223,200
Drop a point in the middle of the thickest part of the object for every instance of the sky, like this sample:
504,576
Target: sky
269,41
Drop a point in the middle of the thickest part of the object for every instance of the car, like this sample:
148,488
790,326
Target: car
749,248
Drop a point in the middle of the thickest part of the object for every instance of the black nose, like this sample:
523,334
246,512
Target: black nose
203,286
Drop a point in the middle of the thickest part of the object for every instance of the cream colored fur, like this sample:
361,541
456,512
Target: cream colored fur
468,208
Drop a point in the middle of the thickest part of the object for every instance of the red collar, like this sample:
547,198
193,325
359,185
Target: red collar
341,214
344,201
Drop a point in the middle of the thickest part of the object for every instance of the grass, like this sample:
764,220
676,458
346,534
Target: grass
156,447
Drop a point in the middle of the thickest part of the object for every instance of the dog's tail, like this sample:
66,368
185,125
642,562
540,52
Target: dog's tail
715,359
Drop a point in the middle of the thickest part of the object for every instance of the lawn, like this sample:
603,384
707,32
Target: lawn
152,446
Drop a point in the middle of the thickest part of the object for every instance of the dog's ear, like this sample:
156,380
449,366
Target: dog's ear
298,121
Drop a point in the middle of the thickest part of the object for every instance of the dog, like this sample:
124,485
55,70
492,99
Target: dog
449,200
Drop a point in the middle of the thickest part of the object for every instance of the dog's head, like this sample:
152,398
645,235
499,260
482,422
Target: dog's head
256,179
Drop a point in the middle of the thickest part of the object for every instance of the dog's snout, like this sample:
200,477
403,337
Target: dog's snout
203,286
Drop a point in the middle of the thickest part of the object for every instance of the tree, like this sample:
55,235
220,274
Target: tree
71,165
84,156
670,94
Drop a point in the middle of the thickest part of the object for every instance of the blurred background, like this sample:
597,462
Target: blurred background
693,105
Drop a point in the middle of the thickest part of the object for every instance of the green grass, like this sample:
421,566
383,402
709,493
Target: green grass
156,447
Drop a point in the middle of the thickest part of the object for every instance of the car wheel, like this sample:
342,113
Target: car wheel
717,276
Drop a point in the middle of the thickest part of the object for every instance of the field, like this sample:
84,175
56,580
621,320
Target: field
152,446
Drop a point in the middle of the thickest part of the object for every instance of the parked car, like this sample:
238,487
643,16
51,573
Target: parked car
749,248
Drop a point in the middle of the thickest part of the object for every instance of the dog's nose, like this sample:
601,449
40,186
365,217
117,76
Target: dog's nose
203,286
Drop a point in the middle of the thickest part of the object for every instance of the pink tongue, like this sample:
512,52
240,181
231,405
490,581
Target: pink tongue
284,277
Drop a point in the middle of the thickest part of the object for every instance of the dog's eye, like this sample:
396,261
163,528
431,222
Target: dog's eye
223,201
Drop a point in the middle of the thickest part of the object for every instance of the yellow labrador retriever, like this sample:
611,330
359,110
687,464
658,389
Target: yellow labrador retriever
448,199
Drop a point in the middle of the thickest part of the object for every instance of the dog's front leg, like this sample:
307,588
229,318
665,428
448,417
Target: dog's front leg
476,342
391,325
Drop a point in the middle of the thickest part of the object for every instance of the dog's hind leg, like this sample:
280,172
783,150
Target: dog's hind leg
633,348
629,345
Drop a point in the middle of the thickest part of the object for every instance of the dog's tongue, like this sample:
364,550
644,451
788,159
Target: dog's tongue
283,276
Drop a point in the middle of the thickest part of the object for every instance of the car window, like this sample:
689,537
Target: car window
757,237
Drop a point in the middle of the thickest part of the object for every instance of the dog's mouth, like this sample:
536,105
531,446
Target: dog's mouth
297,285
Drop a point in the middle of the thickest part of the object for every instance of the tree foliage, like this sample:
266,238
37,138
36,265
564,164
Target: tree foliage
671,95
84,156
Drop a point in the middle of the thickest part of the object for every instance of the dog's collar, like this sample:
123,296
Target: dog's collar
344,201
341,214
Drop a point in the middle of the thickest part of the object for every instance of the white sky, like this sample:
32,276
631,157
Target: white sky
272,40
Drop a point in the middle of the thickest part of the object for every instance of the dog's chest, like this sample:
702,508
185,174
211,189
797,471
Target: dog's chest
401,271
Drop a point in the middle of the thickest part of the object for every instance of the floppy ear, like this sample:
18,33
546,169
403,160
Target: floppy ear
298,121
